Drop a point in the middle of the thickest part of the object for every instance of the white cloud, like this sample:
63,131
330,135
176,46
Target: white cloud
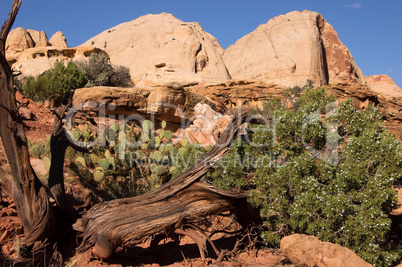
355,5
389,70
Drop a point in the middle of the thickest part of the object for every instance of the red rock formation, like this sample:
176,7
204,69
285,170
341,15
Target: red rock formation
290,49
384,85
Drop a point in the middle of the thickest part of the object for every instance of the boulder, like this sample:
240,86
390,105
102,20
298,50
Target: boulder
384,85
309,250
151,42
58,40
39,38
207,125
18,40
290,49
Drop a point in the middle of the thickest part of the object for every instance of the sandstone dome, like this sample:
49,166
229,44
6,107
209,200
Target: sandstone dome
162,46
290,49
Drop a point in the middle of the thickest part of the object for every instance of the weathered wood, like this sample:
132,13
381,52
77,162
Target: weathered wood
6,182
28,193
131,220
58,146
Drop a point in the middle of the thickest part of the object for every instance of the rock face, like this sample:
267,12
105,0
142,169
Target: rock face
35,61
384,85
207,125
309,250
290,49
58,40
39,38
162,104
338,61
19,39
30,51
159,46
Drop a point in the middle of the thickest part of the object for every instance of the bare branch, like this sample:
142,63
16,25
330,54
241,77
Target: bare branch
5,28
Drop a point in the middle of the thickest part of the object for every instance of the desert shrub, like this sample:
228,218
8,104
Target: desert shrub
322,170
100,72
61,80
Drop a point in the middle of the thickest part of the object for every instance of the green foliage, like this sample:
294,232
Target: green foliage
231,171
61,80
320,170
46,163
100,72
315,178
132,162
40,148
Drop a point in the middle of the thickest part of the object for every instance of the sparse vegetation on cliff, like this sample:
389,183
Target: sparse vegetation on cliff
61,80
100,72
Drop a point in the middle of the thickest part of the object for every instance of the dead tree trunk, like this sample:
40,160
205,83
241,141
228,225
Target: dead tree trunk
118,222
27,191
131,220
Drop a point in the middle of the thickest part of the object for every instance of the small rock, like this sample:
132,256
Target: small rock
309,250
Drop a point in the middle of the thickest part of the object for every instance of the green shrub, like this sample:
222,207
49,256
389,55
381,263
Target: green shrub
100,72
322,171
60,80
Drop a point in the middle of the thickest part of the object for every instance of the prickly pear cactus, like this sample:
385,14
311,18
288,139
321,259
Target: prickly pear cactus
157,156
168,135
112,163
184,142
94,159
81,161
147,126
99,175
104,163
46,163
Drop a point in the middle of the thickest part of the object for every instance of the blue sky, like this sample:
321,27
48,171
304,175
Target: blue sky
371,29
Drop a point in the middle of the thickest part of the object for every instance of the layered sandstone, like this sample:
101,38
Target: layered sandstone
160,49
384,85
35,61
290,49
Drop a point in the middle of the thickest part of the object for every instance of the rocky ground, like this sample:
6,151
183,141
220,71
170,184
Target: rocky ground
39,121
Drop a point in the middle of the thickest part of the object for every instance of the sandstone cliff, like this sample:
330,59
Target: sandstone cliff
31,53
35,61
151,42
290,49
384,85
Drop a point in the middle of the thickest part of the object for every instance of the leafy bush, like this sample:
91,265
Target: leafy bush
60,80
323,171
100,72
